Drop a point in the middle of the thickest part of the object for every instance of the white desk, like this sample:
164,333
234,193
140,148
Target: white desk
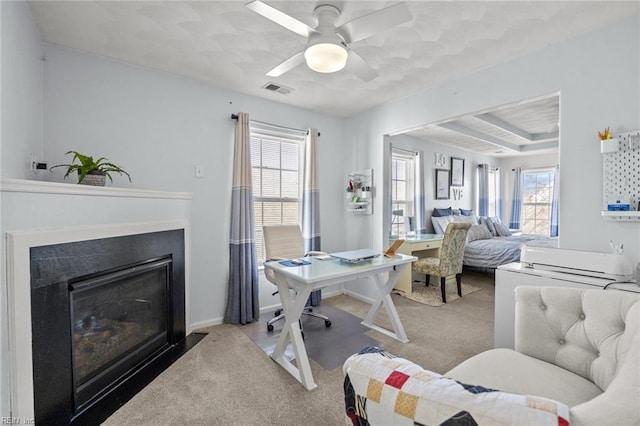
296,283
421,245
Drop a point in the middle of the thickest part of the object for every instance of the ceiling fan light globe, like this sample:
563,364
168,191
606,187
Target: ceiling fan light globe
326,57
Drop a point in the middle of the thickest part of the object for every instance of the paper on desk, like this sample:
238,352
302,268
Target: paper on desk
322,257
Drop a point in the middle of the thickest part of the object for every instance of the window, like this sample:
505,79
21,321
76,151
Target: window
537,195
402,206
276,174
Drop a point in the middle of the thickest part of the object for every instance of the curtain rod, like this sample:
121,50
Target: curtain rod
404,150
536,168
235,117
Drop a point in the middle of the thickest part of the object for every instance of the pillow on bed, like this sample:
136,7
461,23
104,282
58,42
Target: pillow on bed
442,212
464,212
501,230
467,219
440,223
489,224
478,232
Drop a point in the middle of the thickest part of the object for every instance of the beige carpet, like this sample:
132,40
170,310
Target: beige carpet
226,379
432,295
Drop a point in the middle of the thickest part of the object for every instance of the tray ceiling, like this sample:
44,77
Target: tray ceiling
523,128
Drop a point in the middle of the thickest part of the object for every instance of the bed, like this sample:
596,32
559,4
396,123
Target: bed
495,251
489,243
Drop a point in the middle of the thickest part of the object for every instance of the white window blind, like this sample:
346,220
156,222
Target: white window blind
276,173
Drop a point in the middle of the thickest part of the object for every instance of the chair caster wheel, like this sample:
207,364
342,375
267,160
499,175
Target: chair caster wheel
327,323
277,312
269,327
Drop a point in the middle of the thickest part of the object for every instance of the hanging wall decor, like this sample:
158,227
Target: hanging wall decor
442,184
457,171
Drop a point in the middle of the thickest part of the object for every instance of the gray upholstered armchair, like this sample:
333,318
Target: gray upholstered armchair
449,261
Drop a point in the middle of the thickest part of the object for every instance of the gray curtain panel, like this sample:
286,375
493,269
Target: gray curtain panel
554,203
421,224
483,190
242,294
516,204
311,202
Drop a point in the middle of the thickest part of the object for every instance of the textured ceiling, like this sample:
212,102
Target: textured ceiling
227,45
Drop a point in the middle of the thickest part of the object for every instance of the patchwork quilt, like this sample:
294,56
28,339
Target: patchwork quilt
382,389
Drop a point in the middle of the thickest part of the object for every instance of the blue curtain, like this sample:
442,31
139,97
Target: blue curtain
483,190
311,202
516,204
554,203
242,293
421,224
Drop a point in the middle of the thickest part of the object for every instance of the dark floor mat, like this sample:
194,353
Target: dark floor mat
328,346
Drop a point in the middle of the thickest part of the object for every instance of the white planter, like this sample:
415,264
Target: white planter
609,145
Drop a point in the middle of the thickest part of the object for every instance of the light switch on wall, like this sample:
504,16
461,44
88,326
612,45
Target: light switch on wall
199,171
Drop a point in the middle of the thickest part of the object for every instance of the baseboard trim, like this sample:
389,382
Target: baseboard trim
268,309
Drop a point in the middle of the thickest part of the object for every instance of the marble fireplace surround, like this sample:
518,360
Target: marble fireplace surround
18,275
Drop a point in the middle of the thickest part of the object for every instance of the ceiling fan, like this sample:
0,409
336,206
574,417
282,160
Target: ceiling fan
327,47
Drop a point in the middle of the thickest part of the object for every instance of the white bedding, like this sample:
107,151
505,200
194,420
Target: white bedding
496,251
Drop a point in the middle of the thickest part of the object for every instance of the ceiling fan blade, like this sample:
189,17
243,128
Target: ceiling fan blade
359,67
280,18
375,22
287,65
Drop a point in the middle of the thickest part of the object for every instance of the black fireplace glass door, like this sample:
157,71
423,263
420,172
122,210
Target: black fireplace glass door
118,320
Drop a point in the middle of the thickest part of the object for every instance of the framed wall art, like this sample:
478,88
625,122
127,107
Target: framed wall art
442,184
457,171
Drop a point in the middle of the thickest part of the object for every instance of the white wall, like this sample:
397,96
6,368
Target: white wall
21,90
587,87
158,127
20,127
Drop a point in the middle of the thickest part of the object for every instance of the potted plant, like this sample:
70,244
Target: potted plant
90,171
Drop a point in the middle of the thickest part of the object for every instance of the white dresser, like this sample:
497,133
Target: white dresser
512,275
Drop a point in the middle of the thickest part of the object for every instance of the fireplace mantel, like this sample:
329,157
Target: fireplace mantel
18,246
39,187
39,213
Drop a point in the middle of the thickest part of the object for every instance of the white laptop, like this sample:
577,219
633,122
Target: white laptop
355,256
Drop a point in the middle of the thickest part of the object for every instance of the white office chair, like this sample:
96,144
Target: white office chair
285,242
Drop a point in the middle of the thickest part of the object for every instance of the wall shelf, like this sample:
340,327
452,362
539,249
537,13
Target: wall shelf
629,216
360,192
621,180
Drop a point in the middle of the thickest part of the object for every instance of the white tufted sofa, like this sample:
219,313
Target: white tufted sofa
579,347
577,352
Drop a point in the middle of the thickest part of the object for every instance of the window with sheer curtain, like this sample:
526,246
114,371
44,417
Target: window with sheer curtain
276,172
402,195
494,177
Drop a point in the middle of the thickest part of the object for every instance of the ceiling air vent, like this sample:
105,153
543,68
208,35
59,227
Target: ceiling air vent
273,87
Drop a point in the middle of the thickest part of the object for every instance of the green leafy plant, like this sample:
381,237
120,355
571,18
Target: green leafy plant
87,165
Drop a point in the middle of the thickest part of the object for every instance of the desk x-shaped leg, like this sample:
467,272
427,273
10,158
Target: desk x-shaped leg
384,290
291,332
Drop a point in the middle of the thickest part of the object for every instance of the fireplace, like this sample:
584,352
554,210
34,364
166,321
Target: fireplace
118,319
104,312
